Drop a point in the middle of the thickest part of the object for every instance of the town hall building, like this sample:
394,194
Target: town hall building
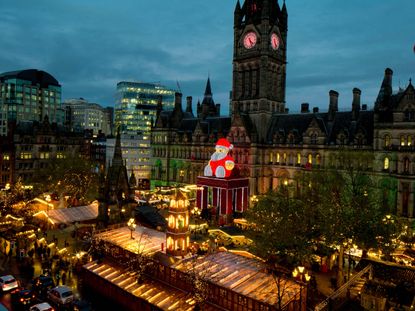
272,145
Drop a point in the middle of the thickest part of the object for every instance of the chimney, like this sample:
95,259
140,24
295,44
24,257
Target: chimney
286,110
333,105
178,101
189,104
304,108
364,107
356,103
315,110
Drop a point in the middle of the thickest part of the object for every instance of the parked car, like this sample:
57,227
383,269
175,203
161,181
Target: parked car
8,282
42,284
22,298
61,295
44,306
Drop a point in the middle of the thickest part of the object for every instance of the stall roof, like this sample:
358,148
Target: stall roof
157,293
243,275
71,214
145,240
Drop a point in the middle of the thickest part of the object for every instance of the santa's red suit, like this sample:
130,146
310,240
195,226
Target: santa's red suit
222,162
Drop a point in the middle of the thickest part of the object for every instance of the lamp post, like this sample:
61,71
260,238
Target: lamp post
303,277
196,213
131,225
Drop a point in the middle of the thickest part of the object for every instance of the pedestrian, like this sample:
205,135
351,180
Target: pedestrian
63,278
48,251
57,277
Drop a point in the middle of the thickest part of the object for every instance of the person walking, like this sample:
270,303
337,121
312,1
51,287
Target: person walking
63,278
57,277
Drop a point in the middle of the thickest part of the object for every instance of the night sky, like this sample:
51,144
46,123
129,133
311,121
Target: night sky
90,45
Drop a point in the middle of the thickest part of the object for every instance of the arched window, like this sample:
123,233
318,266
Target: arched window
284,158
409,140
402,140
310,158
386,163
387,141
313,139
298,158
406,165
278,157
318,159
271,157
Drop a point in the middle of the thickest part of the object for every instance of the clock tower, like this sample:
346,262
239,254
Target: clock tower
259,61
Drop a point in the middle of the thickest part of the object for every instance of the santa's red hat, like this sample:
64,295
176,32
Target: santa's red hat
223,142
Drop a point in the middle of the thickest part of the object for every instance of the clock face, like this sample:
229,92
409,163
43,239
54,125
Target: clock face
275,41
250,40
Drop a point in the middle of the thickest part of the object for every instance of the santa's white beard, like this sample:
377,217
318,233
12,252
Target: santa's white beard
218,156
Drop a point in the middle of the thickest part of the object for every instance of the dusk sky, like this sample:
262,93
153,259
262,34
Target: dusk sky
90,45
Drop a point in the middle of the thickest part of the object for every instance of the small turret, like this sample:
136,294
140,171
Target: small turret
356,104
333,105
237,14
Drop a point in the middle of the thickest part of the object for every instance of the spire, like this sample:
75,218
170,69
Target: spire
385,89
284,17
208,90
132,181
238,7
117,159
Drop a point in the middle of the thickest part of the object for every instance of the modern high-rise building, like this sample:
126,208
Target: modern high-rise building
135,112
136,105
29,95
82,115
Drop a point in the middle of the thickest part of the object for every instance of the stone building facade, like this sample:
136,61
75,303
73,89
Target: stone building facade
271,145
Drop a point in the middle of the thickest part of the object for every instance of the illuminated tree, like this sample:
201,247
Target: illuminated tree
9,197
70,176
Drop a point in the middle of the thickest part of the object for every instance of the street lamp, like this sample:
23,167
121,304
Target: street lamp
302,275
196,214
131,225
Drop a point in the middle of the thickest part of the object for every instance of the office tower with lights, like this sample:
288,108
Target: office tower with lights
29,95
82,115
136,105
135,110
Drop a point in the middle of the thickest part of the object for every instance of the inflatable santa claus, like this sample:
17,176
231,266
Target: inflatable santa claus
221,163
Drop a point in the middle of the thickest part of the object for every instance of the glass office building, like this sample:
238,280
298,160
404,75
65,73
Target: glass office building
136,105
29,95
135,110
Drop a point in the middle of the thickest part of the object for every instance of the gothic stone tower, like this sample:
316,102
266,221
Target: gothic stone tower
259,61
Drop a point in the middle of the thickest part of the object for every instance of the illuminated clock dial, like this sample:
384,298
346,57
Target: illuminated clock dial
250,40
275,41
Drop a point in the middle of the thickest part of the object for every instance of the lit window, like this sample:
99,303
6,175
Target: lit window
271,157
310,158
278,158
402,140
298,158
318,159
386,163
409,140
6,157
44,155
